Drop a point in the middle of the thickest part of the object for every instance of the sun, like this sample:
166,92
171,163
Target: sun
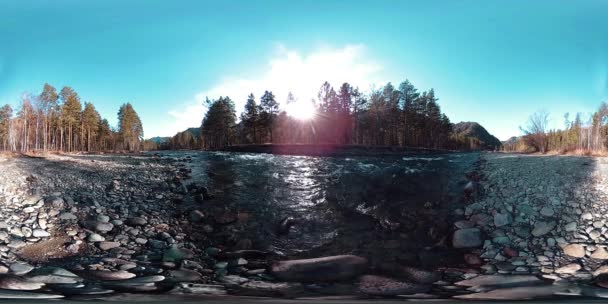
301,110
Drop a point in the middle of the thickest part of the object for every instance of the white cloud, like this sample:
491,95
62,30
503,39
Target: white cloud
288,71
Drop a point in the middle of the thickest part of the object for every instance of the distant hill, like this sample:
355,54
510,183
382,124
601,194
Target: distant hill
511,141
196,132
475,132
159,140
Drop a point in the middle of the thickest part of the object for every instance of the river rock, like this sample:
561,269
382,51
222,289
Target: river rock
570,227
498,279
575,250
568,269
467,238
53,275
547,211
541,228
514,293
94,237
600,254
332,268
501,219
197,216
17,283
184,275
67,216
104,227
103,275
21,268
55,202
137,221
25,295
176,254
108,245
39,233
382,286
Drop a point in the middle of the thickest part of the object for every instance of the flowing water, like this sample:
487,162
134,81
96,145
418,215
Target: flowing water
388,207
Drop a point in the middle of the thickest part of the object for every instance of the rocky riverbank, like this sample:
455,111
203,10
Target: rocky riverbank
103,226
541,217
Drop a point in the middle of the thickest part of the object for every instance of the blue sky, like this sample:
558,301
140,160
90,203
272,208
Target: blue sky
494,62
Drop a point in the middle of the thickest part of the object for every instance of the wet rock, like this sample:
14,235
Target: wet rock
382,286
103,275
332,268
467,238
285,225
24,295
78,289
108,245
575,250
121,286
501,219
94,237
201,289
55,202
176,254
547,211
17,283
103,218
183,275
39,233
104,227
137,221
232,280
20,268
601,270
568,269
515,293
197,216
497,280
53,275
570,227
67,216
541,228
600,253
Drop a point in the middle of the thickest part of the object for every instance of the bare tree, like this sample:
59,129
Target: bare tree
536,131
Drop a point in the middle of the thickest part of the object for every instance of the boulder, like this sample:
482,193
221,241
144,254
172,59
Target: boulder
568,269
467,238
575,250
332,268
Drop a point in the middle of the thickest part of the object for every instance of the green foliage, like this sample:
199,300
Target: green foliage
130,129
218,127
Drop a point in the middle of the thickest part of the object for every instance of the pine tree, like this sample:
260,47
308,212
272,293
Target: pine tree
269,108
250,118
129,128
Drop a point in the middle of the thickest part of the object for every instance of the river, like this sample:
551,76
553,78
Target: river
387,208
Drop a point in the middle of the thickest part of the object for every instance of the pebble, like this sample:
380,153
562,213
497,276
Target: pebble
40,233
20,268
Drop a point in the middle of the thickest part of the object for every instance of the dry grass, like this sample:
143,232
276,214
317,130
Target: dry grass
53,248
579,152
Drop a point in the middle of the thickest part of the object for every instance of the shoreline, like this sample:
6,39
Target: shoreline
333,150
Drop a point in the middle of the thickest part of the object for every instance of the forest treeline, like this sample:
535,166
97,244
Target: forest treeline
579,135
388,116
57,121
